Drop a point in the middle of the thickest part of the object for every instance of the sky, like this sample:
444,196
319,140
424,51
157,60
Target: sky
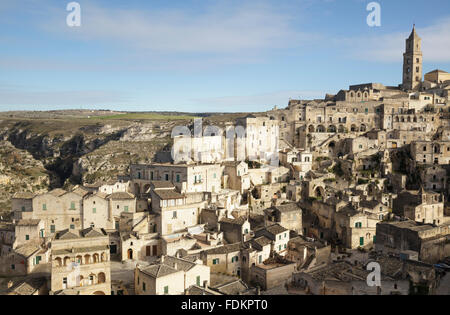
206,55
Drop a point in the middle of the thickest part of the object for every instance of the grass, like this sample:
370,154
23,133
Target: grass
145,116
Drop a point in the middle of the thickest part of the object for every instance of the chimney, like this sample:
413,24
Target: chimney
258,290
175,266
162,259
205,284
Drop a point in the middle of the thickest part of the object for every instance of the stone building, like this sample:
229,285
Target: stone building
21,202
170,276
81,263
431,243
288,215
421,206
186,177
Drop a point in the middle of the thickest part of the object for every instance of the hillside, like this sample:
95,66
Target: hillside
54,149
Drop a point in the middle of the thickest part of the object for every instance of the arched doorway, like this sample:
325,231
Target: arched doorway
319,192
130,253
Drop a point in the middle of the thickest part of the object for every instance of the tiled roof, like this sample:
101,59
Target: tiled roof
275,229
232,288
181,263
157,271
225,249
288,207
369,204
121,196
238,221
28,222
168,194
27,250
27,287
262,241
76,250
81,191
66,235
23,195
58,192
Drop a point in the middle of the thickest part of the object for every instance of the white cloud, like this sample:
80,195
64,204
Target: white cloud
390,47
221,29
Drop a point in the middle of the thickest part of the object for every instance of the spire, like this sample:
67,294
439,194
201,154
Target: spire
414,33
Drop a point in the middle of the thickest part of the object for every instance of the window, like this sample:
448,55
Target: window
178,178
27,237
72,227
52,229
361,241
198,280
143,286
166,289
94,210
44,206
174,216
125,208
167,177
72,205
13,267
260,259
216,261
23,208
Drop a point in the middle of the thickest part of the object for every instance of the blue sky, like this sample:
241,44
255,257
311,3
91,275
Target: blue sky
206,55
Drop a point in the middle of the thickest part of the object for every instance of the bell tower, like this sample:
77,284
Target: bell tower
412,62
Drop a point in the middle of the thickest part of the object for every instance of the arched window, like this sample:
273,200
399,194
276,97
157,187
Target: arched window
101,278
87,259
58,261
67,261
